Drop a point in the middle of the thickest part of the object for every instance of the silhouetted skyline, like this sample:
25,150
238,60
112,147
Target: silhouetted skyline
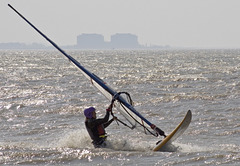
90,41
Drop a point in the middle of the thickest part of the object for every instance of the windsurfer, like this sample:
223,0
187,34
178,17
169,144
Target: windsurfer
96,127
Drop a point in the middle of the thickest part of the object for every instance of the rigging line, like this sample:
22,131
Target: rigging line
118,120
144,127
139,122
125,124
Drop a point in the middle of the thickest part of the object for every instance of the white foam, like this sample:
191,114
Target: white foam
125,143
81,139
196,148
190,148
75,139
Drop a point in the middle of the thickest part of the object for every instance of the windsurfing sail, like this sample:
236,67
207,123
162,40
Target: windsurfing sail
133,117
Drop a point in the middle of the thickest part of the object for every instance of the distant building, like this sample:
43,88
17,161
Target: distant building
125,40
96,41
90,41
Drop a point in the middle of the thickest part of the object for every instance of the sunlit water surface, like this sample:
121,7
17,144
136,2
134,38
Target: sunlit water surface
43,95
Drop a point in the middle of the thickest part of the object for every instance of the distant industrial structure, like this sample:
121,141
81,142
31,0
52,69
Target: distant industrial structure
91,41
118,41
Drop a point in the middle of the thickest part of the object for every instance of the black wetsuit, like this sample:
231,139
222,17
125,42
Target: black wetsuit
96,129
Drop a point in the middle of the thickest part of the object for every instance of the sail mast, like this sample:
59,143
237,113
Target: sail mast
96,81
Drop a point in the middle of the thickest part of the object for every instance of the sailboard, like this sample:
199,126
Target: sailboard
132,116
178,131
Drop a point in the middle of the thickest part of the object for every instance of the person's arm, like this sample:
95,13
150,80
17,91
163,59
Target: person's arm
105,125
101,120
106,117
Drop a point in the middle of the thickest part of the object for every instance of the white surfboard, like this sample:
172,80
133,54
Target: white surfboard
178,131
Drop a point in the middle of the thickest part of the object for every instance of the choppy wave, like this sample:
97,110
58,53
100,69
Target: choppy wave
43,96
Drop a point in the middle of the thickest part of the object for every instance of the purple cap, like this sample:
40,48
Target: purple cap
88,112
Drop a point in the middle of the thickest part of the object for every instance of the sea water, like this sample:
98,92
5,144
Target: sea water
43,95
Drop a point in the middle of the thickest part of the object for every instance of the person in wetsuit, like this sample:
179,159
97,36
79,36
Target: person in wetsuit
96,127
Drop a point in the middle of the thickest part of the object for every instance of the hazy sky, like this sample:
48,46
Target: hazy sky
187,23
